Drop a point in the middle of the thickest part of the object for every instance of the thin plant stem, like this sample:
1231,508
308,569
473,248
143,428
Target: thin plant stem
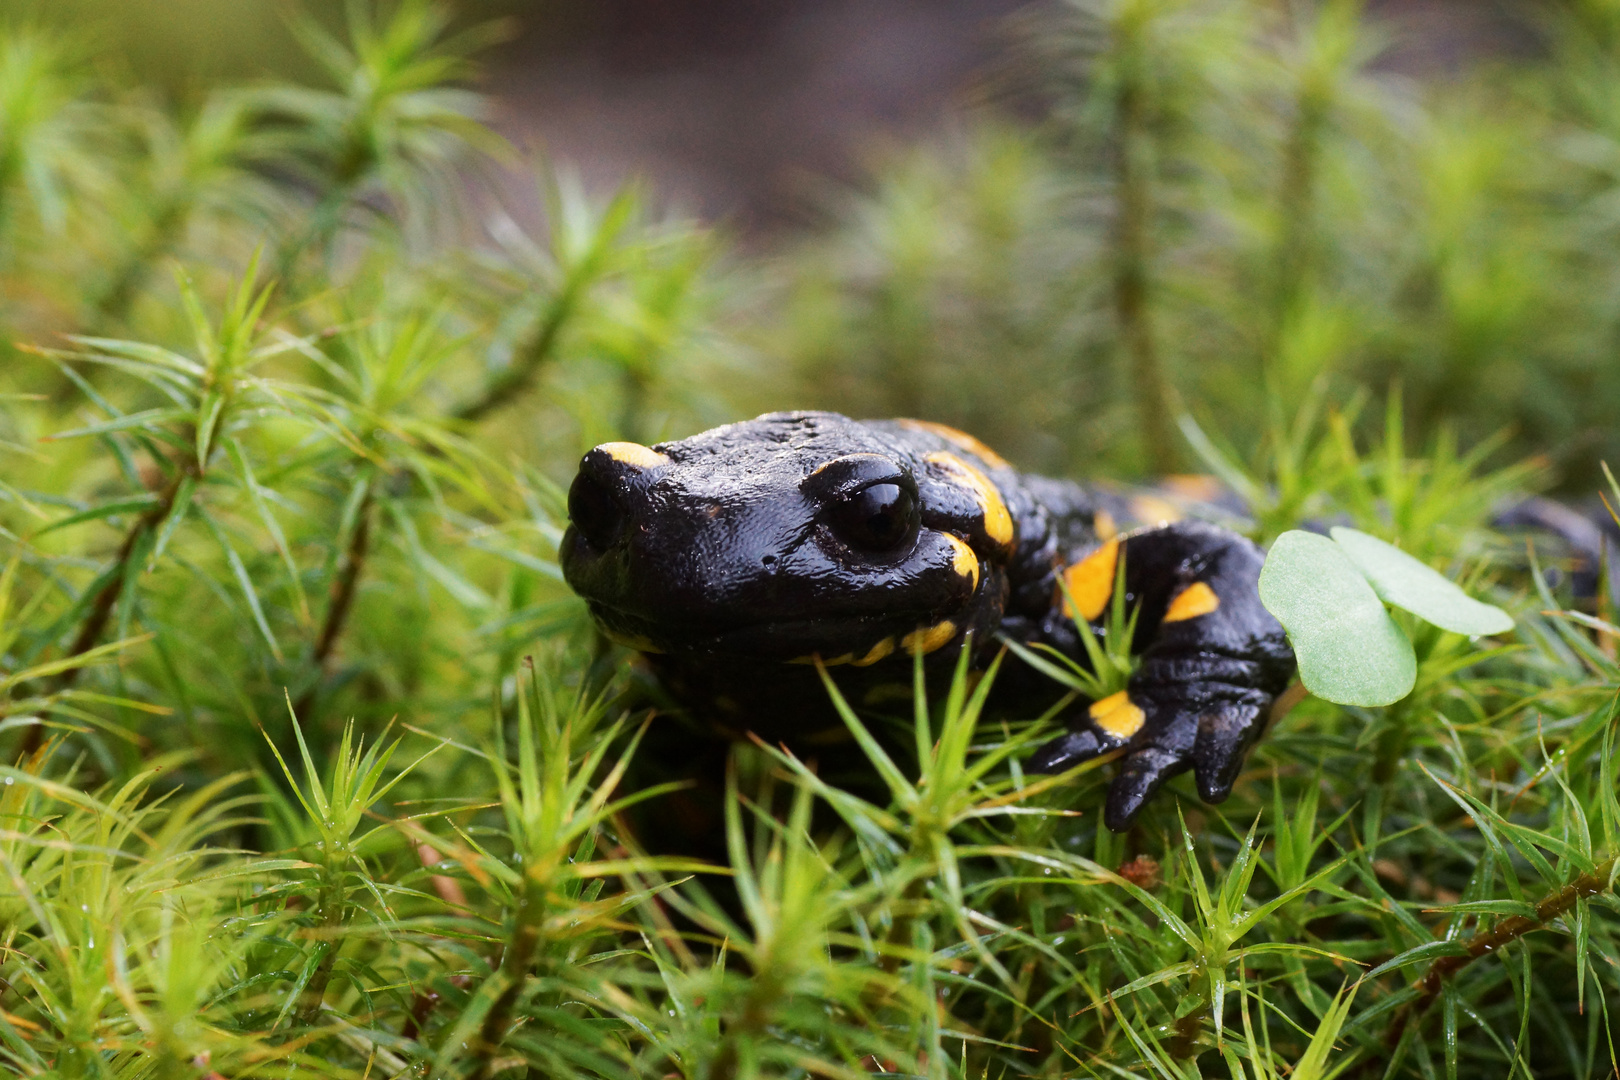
515,962
1133,310
1489,942
332,909
1294,259
900,929
101,608
756,1015
540,348
341,600
530,357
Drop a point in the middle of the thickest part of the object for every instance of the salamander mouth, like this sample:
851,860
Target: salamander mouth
836,638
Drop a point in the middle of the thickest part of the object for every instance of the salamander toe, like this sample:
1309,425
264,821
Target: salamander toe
1068,750
1224,738
1144,771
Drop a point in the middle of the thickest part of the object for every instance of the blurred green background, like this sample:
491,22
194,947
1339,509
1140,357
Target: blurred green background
969,212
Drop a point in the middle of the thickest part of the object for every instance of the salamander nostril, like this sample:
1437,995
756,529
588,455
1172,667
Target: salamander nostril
593,510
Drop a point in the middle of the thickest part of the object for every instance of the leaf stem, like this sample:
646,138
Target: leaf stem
1294,257
1487,942
341,600
332,907
515,963
1132,261
101,608
528,360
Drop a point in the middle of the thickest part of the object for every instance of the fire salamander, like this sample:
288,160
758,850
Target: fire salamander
733,558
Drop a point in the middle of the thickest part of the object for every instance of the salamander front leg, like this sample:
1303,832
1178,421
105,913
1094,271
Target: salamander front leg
1212,661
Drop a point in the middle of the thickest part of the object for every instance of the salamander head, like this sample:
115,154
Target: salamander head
783,537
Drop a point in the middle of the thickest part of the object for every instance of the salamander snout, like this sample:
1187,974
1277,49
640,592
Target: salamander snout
594,510
611,476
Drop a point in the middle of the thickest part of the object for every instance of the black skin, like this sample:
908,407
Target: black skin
732,557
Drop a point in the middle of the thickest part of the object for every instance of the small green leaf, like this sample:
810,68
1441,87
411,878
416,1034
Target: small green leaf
213,405
1410,585
171,521
107,509
1422,954
1314,1065
150,420
249,592
1349,650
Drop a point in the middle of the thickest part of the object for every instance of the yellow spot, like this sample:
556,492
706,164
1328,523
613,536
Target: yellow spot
1152,510
1116,715
813,657
959,439
1194,486
963,561
1103,524
1195,600
876,653
1091,581
634,454
998,525
631,641
926,641
846,459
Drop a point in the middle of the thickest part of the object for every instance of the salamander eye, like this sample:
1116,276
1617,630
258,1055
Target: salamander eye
876,519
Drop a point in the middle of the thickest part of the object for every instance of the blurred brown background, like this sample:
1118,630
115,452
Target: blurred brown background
736,110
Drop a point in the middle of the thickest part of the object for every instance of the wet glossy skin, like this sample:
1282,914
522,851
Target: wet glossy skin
733,557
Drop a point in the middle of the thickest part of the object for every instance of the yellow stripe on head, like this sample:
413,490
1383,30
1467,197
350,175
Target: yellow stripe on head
998,524
963,561
847,658
876,653
1091,582
1152,510
1195,600
1193,486
926,641
634,454
1117,715
958,438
